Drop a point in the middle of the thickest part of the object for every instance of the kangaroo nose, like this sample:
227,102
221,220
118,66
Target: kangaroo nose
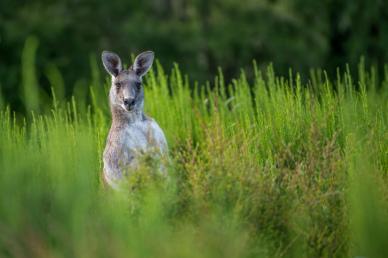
129,102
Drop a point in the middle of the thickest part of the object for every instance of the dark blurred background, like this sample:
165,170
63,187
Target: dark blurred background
200,35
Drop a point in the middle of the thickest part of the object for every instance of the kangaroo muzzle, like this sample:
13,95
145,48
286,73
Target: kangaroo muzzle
129,103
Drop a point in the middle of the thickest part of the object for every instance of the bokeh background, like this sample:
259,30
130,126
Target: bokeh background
200,35
268,165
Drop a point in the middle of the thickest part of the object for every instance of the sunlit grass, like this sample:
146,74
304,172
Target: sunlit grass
272,167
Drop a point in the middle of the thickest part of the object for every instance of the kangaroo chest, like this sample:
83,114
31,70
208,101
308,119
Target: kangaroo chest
137,137
125,144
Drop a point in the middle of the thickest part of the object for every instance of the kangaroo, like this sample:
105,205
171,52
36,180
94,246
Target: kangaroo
132,133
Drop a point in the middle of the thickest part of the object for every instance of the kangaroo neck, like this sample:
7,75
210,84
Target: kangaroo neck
122,117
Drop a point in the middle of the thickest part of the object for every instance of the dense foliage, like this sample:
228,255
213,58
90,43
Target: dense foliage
199,34
272,168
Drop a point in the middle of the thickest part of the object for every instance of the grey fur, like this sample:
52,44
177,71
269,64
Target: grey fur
132,133
112,62
143,63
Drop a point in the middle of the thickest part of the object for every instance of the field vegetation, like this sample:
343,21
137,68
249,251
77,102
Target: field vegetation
268,166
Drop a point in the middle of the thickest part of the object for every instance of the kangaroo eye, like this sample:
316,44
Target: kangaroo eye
138,85
118,85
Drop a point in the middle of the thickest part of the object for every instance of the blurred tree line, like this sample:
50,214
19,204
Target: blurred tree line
198,34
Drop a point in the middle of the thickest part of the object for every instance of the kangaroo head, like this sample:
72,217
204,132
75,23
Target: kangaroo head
127,91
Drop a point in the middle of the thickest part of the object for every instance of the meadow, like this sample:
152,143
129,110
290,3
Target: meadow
269,166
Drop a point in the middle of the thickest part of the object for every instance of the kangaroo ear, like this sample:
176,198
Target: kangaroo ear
112,63
143,63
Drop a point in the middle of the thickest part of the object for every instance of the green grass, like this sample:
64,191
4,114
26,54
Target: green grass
268,168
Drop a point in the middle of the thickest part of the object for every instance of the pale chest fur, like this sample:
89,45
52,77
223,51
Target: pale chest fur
127,143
